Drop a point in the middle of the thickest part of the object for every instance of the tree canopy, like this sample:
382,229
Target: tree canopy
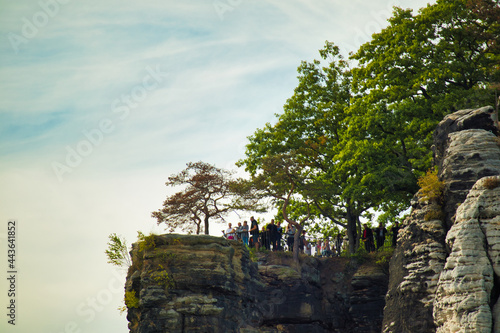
209,193
359,130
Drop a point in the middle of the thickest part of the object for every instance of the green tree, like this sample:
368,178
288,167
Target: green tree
117,251
209,193
363,135
280,177
312,130
417,70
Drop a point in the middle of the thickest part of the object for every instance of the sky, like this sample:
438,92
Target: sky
101,101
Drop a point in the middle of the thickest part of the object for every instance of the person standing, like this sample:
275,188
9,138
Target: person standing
230,231
327,252
395,230
238,231
302,241
280,233
368,238
254,231
381,231
273,234
244,233
338,244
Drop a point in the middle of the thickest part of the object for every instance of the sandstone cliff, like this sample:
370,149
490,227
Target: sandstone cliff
444,273
445,268
182,283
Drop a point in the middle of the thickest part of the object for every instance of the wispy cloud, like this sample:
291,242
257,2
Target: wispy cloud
77,83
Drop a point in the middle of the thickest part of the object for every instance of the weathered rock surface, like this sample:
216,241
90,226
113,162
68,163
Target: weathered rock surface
414,273
465,297
430,266
444,273
209,284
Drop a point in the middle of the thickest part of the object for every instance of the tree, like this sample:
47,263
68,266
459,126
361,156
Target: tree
117,251
312,130
363,136
209,193
417,70
280,177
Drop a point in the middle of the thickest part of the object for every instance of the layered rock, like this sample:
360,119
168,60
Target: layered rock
414,272
425,269
209,284
465,297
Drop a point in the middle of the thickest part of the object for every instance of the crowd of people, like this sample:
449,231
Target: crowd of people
274,237
376,237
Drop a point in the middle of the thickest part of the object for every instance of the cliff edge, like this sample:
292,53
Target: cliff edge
181,283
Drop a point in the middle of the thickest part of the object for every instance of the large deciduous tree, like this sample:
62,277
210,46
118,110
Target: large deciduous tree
281,176
417,70
312,130
209,193
364,135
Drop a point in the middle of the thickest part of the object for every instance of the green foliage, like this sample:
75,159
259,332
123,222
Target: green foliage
431,188
252,252
356,140
383,258
146,242
117,251
166,257
131,301
162,278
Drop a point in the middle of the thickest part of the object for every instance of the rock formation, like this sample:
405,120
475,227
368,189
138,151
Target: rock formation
181,283
444,272
465,299
442,268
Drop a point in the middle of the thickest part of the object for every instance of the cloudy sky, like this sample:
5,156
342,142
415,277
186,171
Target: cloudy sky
100,101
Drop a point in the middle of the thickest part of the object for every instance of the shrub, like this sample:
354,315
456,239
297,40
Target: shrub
431,188
162,278
117,251
131,301
146,242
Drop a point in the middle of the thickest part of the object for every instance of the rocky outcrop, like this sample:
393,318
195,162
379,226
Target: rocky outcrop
181,283
444,272
414,272
465,296
431,271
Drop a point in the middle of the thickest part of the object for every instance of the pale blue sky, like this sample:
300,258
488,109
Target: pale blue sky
100,101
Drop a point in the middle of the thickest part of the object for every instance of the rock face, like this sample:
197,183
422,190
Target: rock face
444,272
442,268
209,284
465,297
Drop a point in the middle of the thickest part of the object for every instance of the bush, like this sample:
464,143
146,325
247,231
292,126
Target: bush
146,242
162,278
431,188
131,301
117,251
434,214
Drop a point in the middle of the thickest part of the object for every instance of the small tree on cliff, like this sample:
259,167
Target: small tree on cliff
209,193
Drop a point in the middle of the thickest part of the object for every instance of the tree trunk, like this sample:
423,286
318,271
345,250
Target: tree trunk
358,229
296,239
206,224
351,230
